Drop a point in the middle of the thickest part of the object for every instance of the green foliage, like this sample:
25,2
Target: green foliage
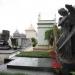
40,54
49,36
34,42
7,73
72,73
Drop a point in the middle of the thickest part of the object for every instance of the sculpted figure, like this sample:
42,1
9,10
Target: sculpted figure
66,48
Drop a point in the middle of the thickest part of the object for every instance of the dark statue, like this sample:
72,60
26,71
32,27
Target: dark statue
4,37
66,42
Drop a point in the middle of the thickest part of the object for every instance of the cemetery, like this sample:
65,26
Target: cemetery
48,56
31,61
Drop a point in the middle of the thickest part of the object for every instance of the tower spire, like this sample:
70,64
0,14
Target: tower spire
55,17
39,16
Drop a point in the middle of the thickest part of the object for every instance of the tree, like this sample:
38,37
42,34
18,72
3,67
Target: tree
52,34
34,42
49,36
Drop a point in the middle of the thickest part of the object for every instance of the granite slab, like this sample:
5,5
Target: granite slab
30,63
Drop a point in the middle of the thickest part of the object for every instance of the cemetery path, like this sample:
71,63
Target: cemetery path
3,67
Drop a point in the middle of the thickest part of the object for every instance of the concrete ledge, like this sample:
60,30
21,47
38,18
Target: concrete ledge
30,68
40,49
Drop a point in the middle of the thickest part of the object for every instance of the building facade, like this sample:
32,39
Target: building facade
21,39
31,32
43,26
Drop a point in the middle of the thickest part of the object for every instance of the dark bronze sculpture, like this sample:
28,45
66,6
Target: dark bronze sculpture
66,43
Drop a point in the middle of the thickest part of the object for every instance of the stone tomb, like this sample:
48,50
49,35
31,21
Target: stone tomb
30,63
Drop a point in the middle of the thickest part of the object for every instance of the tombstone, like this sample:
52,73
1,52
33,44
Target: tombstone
5,35
66,43
4,45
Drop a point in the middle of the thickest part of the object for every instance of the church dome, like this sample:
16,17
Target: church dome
16,34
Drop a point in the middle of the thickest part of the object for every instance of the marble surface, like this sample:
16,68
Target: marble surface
33,62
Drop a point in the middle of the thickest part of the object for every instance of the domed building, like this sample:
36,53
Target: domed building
17,34
21,39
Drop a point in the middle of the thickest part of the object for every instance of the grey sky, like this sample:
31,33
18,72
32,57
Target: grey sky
19,14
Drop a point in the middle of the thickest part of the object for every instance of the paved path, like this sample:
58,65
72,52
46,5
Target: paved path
3,67
28,49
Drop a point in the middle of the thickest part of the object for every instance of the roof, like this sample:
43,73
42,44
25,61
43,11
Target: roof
46,21
17,34
31,28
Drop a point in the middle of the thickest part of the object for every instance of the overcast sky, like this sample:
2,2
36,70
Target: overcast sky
19,14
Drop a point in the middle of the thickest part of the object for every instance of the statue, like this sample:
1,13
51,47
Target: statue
66,43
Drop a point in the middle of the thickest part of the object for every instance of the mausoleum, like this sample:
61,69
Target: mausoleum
43,26
31,32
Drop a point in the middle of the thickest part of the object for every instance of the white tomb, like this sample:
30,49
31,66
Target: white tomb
31,32
43,26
